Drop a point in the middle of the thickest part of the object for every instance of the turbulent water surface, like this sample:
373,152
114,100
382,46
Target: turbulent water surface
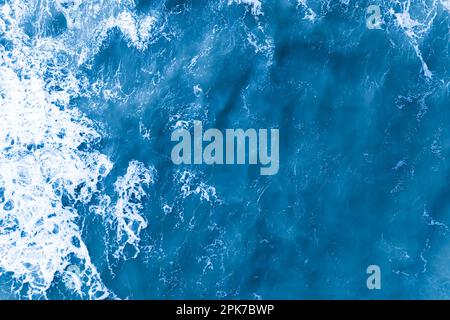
92,207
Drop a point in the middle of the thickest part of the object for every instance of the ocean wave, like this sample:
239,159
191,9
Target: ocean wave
49,163
125,215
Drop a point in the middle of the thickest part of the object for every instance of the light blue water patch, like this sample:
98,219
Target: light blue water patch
92,207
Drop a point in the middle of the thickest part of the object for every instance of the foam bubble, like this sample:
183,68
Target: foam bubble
255,5
125,214
309,13
415,29
446,4
190,185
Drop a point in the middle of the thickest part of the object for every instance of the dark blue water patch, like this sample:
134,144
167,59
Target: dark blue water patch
6,283
75,241
54,24
35,146
9,224
57,25
6,44
9,205
67,199
2,194
84,146
146,6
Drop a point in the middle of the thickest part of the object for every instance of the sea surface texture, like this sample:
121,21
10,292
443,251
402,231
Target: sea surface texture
92,207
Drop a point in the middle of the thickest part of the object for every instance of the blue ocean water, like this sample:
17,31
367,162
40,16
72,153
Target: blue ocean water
92,207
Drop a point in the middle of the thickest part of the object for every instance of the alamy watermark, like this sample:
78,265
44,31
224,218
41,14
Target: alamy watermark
374,280
236,146
374,19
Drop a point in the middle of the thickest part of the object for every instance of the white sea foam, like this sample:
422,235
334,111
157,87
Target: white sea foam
125,215
257,38
43,170
446,4
309,13
137,31
415,29
255,5
190,185
264,46
47,161
89,22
